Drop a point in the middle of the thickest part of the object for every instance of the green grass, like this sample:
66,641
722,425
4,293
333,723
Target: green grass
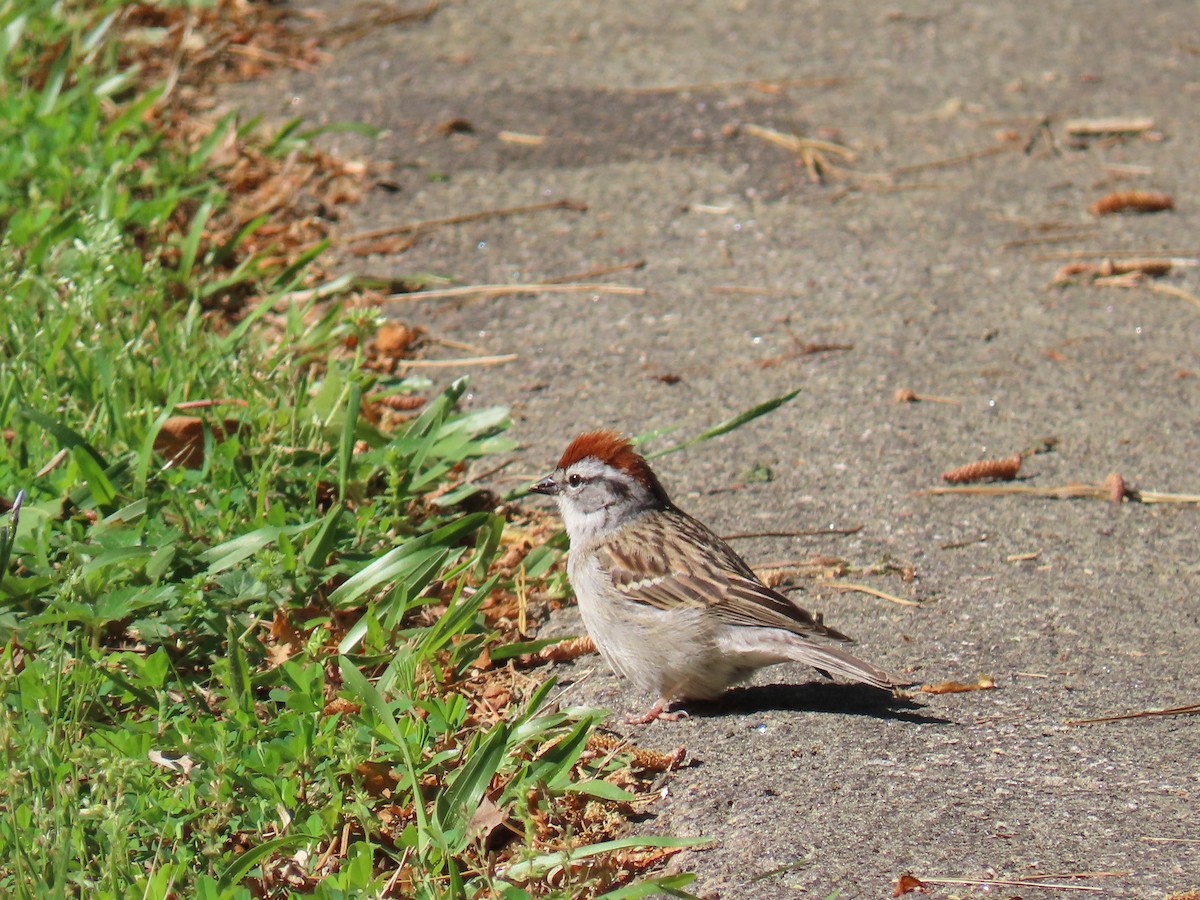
203,666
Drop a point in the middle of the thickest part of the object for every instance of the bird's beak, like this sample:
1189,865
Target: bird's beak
547,486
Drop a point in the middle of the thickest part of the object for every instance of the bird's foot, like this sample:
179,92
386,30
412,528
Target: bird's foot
657,711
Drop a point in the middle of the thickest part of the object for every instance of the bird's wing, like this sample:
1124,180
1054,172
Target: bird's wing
658,564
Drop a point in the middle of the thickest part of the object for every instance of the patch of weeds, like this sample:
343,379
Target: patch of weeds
246,626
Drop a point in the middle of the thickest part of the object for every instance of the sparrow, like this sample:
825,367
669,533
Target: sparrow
670,605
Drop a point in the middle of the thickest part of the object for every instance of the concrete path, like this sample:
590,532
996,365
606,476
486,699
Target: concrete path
929,277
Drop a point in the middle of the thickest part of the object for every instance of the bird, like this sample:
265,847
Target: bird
669,605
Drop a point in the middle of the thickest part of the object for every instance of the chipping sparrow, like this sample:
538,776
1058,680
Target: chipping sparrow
668,603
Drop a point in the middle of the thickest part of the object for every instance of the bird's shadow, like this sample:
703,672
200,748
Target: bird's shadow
843,699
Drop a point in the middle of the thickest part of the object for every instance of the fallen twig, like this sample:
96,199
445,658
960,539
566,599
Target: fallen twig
430,224
874,592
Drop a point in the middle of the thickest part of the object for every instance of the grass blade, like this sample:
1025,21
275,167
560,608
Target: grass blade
728,425
543,863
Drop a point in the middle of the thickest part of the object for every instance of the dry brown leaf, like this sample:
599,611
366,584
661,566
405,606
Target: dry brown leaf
985,683
341,705
907,883
487,820
377,778
400,402
394,338
182,764
181,438
457,125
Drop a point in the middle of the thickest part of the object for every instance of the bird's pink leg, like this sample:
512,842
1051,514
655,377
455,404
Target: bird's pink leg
657,711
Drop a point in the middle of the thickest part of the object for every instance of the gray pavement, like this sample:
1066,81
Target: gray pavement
1077,608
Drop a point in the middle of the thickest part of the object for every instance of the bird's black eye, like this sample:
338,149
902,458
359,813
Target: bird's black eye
575,480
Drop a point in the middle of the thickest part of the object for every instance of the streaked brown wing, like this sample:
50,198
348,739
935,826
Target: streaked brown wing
651,565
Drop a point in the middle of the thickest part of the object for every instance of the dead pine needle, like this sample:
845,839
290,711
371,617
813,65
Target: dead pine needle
983,882
812,532
997,469
208,404
1173,291
461,361
1068,492
952,161
1191,709
814,154
500,290
1178,254
431,224
597,272
1087,272
1108,125
763,85
874,592
908,395
1064,237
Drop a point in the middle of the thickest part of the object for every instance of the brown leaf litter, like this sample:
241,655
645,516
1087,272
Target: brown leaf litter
983,683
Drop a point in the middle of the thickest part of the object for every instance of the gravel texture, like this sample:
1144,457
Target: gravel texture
1077,608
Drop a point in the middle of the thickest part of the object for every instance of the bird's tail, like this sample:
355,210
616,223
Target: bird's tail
832,660
757,647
